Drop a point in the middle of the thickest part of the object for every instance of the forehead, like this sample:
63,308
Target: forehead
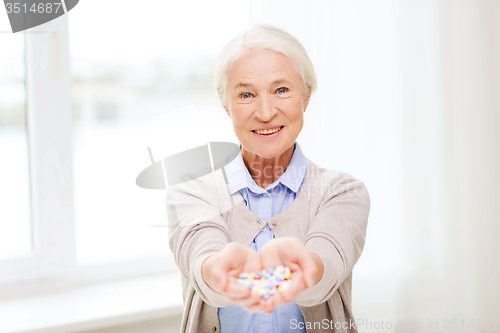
262,67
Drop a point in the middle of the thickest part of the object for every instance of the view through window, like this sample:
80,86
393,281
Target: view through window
137,88
15,213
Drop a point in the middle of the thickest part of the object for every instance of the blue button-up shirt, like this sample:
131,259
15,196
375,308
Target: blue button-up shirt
265,203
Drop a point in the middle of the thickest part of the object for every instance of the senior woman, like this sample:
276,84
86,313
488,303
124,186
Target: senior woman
269,206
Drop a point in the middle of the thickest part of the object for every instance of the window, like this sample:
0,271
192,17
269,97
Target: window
15,219
96,100
147,90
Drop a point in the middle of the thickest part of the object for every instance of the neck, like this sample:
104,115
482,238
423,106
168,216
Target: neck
266,171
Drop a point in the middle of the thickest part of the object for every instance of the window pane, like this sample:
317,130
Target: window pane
15,220
141,82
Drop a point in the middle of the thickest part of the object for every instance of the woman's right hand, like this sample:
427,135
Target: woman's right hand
220,272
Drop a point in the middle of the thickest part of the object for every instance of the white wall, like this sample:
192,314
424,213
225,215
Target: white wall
408,101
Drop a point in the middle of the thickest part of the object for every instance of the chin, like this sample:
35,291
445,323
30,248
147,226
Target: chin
270,153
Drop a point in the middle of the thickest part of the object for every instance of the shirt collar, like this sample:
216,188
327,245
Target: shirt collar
239,177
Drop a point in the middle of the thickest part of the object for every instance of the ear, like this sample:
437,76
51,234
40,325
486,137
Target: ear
307,99
227,111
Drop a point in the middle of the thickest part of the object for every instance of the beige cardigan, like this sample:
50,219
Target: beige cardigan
329,215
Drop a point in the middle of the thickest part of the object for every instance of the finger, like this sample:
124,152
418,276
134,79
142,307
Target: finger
250,304
253,308
287,297
270,258
221,272
282,299
267,305
229,265
253,262
277,300
309,267
251,301
296,285
270,254
235,291
293,266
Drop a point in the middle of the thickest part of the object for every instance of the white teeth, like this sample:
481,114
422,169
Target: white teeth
270,131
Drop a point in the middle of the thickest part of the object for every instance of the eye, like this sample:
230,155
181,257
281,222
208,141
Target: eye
282,90
245,95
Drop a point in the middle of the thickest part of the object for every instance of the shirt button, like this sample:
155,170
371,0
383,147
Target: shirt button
265,195
264,229
274,223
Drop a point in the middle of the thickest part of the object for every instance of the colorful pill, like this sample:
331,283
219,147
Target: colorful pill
266,283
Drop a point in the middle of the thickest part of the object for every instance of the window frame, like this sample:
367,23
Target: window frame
52,264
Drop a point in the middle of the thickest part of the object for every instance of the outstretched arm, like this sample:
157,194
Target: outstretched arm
200,242
332,246
197,231
337,236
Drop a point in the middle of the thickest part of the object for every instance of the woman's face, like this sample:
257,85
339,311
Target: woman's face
264,91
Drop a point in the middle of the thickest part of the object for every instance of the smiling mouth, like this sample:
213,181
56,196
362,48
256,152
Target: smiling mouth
268,132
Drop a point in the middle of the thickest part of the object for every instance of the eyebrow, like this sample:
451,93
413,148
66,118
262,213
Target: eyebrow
278,81
243,85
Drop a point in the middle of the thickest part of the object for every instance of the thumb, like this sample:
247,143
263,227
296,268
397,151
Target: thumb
310,279
220,273
253,262
309,266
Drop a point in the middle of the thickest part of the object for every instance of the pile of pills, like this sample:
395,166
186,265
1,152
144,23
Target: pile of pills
267,283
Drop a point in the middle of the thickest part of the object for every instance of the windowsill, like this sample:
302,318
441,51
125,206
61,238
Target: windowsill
95,306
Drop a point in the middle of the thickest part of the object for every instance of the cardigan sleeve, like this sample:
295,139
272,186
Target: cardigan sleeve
196,231
337,235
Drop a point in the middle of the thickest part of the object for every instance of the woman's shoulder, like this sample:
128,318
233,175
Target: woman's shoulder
329,183
203,187
317,173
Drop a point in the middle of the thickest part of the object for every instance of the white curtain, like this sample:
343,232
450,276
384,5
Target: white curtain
408,101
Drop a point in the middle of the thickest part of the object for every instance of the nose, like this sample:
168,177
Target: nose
265,109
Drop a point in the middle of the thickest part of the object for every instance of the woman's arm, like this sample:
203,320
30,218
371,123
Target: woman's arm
197,231
332,246
199,240
337,236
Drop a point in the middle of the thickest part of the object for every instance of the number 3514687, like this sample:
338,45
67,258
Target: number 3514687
41,7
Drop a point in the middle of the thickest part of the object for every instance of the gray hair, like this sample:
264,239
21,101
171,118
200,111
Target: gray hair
263,37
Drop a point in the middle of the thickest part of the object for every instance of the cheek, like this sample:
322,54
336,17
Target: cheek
292,108
240,115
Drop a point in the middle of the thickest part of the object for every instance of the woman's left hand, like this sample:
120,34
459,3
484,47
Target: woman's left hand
306,268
